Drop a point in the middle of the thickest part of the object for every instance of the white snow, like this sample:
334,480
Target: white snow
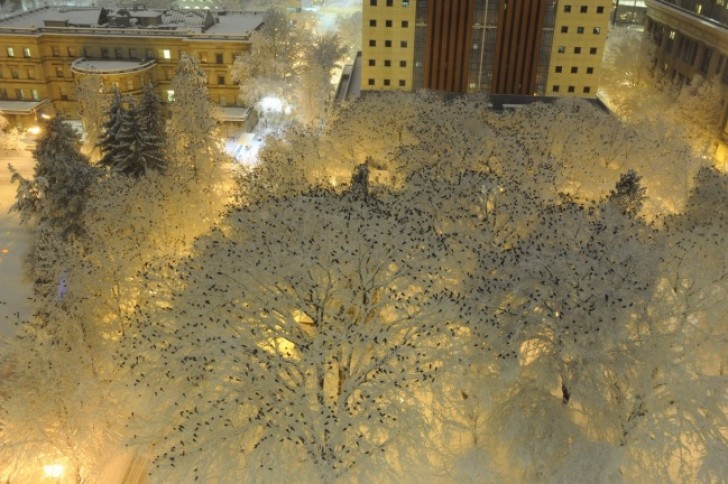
14,241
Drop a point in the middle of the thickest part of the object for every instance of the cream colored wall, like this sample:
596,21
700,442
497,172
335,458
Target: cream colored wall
572,39
397,34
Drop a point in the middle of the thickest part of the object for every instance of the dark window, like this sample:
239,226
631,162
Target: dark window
387,23
571,88
574,70
390,3
405,24
600,9
119,53
705,62
220,79
219,58
387,43
402,63
580,30
150,53
372,43
564,29
597,30
387,63
555,89
371,81
590,70
372,23
372,62
402,83
592,50
403,43
373,3
15,74
562,49
583,9
587,89
558,69
577,50
567,9
133,54
386,82
104,53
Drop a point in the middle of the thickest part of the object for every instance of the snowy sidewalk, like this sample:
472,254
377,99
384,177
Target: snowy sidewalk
14,242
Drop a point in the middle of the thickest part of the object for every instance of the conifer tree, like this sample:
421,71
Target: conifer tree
142,149
111,148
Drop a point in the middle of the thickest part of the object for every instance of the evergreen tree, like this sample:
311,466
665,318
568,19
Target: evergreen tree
629,193
111,148
56,194
150,113
142,150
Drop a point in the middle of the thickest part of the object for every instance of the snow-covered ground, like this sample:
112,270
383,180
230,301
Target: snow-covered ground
15,289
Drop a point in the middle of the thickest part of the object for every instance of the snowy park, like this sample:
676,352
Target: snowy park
403,288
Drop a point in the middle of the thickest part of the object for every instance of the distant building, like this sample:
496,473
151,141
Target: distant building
692,39
508,47
43,51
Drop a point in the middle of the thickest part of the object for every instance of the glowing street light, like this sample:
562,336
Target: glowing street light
53,471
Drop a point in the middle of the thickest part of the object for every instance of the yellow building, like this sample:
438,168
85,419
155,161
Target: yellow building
43,51
503,47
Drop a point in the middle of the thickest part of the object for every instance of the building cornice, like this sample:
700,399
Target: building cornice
699,28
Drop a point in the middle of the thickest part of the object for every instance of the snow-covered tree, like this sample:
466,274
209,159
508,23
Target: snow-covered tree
143,148
110,146
10,138
94,102
192,133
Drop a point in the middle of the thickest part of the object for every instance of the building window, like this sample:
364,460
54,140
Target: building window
580,30
574,70
72,52
133,54
56,51
564,29
555,89
219,58
372,62
387,82
59,71
562,49
373,3
11,52
597,30
170,95
372,43
20,95
590,70
586,89
150,54
221,79
370,82
405,24
405,3
571,89
558,69
402,63
567,8
592,50
583,9
600,9
35,94
30,72
577,50
387,23
387,63
403,43
390,3
402,83
104,53
3,94
387,43
14,72
26,52
63,94
119,53
372,23
130,84
166,54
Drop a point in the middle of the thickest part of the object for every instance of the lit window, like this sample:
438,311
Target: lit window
35,94
71,52
130,84
405,3
11,52
166,54
170,95
597,30
672,35
26,52
562,49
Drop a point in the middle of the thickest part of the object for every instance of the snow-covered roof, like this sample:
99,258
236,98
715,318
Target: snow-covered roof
187,23
110,66
20,107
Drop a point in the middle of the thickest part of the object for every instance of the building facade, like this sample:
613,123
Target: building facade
43,52
691,38
510,47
